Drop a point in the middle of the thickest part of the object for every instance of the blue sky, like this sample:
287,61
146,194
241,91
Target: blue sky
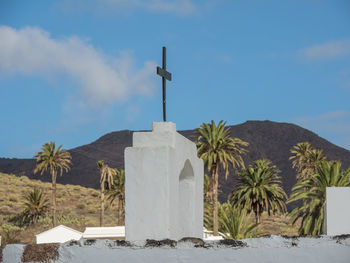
72,71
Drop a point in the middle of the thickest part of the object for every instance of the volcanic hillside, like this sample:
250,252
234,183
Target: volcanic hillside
266,139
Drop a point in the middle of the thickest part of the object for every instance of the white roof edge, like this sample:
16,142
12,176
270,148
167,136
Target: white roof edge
60,226
103,236
104,227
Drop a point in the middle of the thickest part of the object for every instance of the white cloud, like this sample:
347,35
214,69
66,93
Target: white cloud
337,122
326,51
102,79
334,126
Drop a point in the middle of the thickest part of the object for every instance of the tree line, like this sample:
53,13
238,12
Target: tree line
258,188
56,161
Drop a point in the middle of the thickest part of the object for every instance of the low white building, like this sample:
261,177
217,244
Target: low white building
58,234
116,232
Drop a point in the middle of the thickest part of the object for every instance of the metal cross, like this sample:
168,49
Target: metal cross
161,71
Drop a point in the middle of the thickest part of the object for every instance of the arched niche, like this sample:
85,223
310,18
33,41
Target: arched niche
186,199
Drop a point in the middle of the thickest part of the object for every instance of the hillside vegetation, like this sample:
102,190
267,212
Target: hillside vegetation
77,206
290,160
267,140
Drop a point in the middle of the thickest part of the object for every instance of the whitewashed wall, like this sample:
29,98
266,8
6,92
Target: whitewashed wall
337,214
260,250
163,186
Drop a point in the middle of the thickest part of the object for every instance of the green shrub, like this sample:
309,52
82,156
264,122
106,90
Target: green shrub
63,218
6,210
92,210
81,206
9,234
95,194
13,199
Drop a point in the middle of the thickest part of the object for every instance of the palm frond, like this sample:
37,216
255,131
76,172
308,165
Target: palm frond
312,191
259,189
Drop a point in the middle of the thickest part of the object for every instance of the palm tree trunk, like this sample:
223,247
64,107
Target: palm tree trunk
257,215
123,210
102,209
54,219
215,177
120,211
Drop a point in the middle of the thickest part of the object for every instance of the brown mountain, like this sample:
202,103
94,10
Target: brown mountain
267,139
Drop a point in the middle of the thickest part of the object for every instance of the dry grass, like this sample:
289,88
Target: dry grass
277,225
79,203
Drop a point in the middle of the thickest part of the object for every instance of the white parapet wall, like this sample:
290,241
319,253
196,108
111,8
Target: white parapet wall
163,186
337,216
115,232
272,249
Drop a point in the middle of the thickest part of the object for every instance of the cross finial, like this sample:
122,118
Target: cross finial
161,71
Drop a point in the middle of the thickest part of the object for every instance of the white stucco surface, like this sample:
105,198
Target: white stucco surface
337,214
58,234
104,232
270,251
163,186
12,253
263,250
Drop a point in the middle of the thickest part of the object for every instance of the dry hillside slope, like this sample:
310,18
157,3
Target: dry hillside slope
266,139
77,206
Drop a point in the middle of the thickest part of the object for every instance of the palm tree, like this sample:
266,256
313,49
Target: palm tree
300,152
300,155
306,159
36,206
233,222
117,192
53,160
208,216
208,189
259,189
311,212
217,148
106,174
315,157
